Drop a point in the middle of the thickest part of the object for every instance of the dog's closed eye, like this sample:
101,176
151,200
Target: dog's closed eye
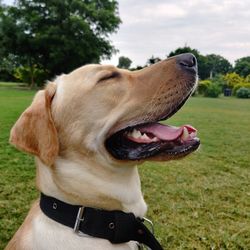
109,76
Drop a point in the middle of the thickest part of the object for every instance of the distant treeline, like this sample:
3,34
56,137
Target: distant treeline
209,65
216,73
41,39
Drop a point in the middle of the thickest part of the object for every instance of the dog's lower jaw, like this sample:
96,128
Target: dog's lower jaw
96,186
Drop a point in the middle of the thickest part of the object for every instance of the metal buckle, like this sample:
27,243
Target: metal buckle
79,219
143,247
151,229
140,246
150,224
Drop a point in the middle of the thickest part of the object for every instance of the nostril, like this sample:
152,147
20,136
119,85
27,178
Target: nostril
187,60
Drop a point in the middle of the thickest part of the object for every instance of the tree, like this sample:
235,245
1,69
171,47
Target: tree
7,67
219,80
185,49
209,65
217,65
153,60
58,36
242,66
203,70
124,62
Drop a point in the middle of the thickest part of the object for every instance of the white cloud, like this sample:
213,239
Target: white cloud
157,27
238,45
162,10
8,1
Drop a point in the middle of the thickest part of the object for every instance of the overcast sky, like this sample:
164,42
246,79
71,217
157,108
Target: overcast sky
156,27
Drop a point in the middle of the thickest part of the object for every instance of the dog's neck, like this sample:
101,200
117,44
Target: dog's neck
96,186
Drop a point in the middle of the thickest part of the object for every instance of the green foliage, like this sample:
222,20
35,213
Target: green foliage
242,66
236,87
59,36
138,67
203,86
200,202
124,62
213,90
31,75
7,67
201,59
209,88
240,85
243,92
220,81
233,79
247,79
217,64
209,65
185,49
153,60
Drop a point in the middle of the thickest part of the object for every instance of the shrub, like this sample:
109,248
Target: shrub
247,79
213,90
240,85
32,75
243,93
203,85
195,93
232,79
219,80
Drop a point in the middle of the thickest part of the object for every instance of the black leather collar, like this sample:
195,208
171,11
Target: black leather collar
115,226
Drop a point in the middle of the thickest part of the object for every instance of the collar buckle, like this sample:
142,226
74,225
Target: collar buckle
79,219
150,223
151,228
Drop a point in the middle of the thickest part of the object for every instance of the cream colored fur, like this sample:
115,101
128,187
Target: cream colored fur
65,128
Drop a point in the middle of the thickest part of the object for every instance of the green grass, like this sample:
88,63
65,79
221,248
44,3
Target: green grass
200,202
11,85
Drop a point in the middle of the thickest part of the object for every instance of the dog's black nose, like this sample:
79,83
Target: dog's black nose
187,61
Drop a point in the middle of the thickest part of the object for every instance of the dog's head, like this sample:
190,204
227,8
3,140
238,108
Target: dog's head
110,115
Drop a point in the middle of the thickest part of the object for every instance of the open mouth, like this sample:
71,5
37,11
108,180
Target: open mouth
152,139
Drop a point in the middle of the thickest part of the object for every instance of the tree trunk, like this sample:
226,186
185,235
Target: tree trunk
32,85
32,82
211,74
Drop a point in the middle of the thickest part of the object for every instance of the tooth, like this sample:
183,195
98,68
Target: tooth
136,133
193,134
154,139
145,137
185,134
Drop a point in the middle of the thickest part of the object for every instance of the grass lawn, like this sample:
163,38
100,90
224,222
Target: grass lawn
11,85
200,202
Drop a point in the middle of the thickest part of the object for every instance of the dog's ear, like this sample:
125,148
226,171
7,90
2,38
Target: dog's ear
35,132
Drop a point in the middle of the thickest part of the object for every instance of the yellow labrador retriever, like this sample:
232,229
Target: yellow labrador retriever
88,131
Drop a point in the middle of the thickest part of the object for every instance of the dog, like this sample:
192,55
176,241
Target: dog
88,131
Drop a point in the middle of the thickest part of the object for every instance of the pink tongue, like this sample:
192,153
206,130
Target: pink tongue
165,132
